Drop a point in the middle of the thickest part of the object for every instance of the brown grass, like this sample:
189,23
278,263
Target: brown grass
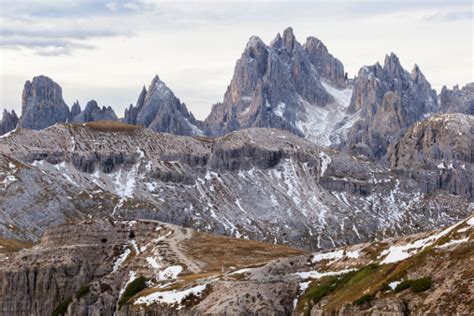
109,127
11,245
219,252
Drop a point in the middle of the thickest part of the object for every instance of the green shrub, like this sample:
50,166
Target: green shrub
420,285
61,309
384,287
363,299
83,290
134,287
405,284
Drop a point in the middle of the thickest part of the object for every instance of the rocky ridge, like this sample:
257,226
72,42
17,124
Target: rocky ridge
92,112
457,100
263,184
152,268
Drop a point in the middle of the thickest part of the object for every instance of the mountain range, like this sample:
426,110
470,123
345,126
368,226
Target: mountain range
303,192
297,87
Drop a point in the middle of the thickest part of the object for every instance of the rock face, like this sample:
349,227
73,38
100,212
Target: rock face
457,100
389,100
75,111
42,104
93,112
89,267
263,184
438,152
9,122
281,85
160,110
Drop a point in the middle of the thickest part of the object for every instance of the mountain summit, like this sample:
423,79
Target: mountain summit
160,110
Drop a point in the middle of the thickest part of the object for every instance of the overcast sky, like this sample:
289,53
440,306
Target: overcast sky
107,50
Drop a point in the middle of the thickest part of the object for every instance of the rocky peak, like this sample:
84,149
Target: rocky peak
272,86
42,104
389,99
457,100
92,112
132,112
75,110
327,66
160,110
9,121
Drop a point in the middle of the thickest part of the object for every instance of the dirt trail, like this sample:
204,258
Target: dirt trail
179,235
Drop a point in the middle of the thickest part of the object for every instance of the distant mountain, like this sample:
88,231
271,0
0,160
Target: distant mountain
387,100
152,268
160,110
457,100
93,112
284,85
42,104
9,122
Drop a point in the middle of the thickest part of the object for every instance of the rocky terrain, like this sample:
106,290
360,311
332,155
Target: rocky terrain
263,184
101,267
437,152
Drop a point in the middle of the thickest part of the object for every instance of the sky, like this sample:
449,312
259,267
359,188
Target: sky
108,50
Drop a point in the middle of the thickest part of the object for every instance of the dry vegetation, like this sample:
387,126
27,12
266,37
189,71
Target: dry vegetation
220,252
109,127
10,245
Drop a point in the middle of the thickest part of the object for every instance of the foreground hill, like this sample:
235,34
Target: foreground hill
151,268
262,184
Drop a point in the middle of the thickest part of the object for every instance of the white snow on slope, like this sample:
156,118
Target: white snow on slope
319,275
326,125
401,252
121,259
170,297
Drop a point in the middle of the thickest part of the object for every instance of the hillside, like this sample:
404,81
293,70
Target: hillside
152,268
260,184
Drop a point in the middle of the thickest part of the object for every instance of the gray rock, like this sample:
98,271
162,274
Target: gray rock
9,122
42,104
263,184
389,100
457,100
75,111
160,110
326,65
274,85
93,112
437,152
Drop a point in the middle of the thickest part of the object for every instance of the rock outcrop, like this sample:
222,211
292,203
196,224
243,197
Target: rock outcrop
389,100
92,112
279,86
9,122
160,110
457,100
438,153
42,104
